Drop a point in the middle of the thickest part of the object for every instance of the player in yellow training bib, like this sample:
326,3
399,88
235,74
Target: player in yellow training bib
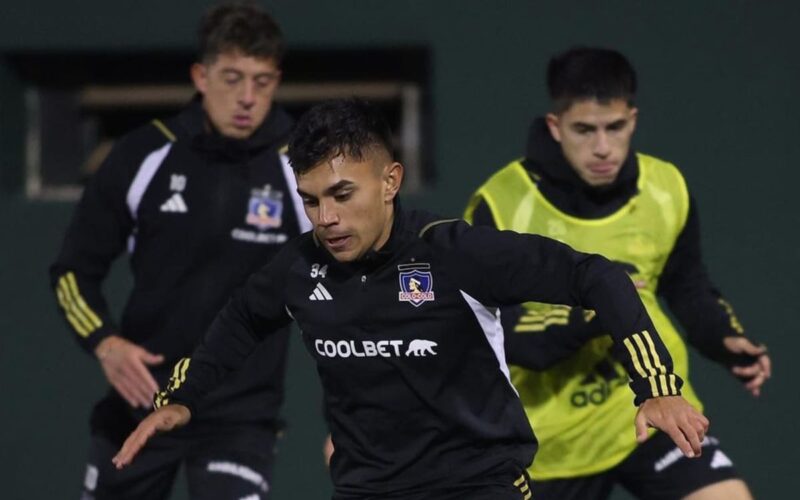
580,183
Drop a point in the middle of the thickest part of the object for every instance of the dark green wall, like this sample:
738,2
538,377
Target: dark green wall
718,97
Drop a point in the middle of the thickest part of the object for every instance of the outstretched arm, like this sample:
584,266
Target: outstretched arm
709,320
163,419
97,234
255,311
506,268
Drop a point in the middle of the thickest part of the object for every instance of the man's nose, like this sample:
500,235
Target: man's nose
327,214
601,146
247,96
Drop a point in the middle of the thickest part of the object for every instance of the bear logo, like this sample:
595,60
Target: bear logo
420,347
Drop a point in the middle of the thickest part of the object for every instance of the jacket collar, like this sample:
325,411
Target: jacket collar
561,185
373,259
273,132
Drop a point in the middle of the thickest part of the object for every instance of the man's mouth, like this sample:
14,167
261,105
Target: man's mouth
603,168
242,121
337,243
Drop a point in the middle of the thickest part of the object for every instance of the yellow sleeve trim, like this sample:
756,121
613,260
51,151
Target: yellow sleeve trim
647,364
734,321
176,380
78,313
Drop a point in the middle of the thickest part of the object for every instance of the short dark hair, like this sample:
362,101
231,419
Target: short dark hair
342,126
240,26
583,73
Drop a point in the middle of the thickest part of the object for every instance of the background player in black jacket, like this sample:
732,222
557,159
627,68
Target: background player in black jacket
200,201
399,310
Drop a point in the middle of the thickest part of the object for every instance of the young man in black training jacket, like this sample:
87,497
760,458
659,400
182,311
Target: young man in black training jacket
399,310
200,201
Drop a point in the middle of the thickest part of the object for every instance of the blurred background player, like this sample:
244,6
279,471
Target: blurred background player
199,201
581,183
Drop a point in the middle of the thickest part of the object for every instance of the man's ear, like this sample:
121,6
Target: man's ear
392,180
552,125
199,74
634,117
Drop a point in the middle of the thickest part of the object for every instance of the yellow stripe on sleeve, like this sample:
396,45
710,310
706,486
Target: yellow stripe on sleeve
736,325
184,369
656,360
664,388
648,365
73,285
161,399
176,375
634,358
75,318
638,366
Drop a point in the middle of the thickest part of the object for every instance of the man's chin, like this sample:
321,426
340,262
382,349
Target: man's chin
239,133
601,181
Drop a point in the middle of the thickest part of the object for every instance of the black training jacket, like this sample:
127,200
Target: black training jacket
197,213
409,347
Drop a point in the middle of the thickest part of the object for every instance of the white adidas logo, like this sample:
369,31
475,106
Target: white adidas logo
720,460
320,293
175,204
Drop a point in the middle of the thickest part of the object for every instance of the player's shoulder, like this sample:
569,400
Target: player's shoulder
421,224
657,165
512,169
133,148
452,234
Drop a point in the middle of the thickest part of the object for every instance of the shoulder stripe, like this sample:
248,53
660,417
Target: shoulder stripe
489,321
291,183
144,175
435,223
164,130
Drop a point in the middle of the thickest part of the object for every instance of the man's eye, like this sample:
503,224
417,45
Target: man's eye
342,196
264,81
309,203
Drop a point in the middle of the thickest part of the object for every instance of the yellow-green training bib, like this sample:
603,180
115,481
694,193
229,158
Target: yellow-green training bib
582,410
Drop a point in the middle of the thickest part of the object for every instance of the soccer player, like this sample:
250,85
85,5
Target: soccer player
581,183
199,201
399,310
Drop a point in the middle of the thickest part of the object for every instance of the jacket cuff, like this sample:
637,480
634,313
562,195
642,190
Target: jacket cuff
656,386
89,344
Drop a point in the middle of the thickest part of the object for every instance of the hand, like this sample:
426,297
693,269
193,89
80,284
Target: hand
164,419
327,450
675,416
755,374
125,367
